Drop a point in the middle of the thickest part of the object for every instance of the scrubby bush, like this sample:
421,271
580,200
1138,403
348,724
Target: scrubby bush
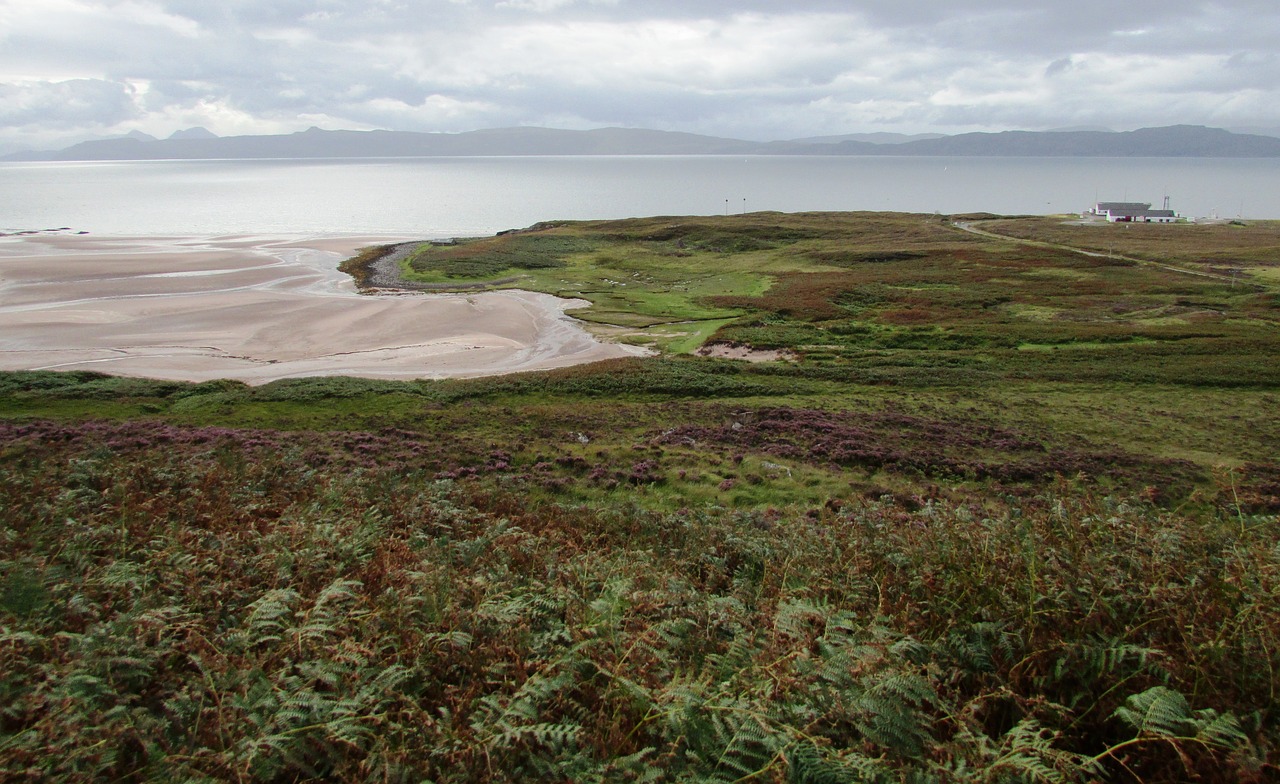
210,610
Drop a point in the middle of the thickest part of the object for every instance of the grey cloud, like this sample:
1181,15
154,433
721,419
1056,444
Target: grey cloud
66,104
1061,65
732,67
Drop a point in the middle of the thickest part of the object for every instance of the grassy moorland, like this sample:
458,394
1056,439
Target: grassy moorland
1007,513
656,280
1238,250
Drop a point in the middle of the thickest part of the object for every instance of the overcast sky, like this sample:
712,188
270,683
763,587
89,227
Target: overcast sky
749,69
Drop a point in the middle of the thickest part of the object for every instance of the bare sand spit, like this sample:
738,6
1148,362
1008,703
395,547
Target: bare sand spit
737,351
258,309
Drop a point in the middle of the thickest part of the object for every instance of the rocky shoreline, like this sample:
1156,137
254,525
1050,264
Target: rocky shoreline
37,232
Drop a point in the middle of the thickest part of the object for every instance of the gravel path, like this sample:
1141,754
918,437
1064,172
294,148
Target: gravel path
972,228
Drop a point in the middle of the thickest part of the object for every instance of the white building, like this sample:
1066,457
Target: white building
1133,212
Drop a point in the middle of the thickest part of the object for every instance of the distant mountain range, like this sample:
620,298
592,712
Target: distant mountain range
1175,141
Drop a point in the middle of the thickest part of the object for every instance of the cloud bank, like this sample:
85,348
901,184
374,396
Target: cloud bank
747,69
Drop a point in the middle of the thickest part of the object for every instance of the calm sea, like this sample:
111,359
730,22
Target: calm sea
470,196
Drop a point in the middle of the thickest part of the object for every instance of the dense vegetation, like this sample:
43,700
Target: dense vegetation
1007,514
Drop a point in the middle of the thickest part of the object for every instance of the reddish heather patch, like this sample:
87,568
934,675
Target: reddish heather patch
906,443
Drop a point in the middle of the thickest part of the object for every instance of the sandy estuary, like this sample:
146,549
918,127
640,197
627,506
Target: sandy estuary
258,309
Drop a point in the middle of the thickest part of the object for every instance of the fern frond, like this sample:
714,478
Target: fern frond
458,640
976,647
808,763
1221,730
734,659
797,618
1028,753
267,615
1158,711
323,620
553,736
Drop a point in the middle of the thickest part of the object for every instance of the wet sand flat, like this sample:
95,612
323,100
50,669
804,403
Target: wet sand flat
258,309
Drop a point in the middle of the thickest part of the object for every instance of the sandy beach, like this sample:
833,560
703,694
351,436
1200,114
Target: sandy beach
257,309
